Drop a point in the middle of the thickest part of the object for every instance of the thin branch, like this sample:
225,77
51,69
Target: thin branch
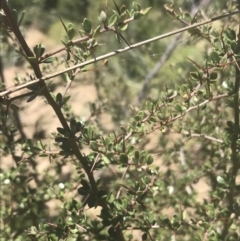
196,107
119,51
70,82
123,176
1,72
202,135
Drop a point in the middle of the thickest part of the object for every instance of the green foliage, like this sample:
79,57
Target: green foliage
143,178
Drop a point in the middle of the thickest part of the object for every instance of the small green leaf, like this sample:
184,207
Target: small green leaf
136,155
230,124
123,9
149,105
110,147
231,34
59,98
49,60
130,150
124,131
220,180
187,17
21,18
94,145
123,27
214,57
218,44
80,125
87,25
32,59
213,75
144,236
71,33
111,198
224,59
91,201
234,47
83,191
70,25
113,19
145,11
203,107
15,15
238,142
90,132
123,158
167,223
136,6
137,15
85,184
73,125
96,31
151,217
137,118
178,108
103,17
200,74
38,50
112,136
184,88
66,99
149,159
53,237
43,155
194,75
106,141
61,130
32,97
66,146
66,77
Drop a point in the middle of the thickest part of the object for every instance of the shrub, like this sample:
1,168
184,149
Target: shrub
142,179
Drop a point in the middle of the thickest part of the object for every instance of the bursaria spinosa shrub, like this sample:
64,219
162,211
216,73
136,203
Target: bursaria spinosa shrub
155,156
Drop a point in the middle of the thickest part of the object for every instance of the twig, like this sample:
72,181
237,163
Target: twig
1,72
202,135
70,82
124,174
192,108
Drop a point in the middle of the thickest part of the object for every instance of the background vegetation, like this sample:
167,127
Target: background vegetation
174,125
